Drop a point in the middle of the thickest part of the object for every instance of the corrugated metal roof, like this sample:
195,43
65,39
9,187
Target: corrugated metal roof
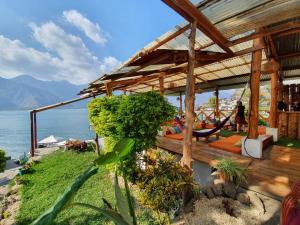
235,19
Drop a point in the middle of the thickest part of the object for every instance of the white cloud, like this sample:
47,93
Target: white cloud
66,57
91,30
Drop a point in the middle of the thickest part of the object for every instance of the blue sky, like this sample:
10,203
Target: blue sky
76,40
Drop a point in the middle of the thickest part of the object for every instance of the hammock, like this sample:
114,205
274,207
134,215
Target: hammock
218,127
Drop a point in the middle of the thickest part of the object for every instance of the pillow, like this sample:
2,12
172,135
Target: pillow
177,129
198,126
172,130
238,143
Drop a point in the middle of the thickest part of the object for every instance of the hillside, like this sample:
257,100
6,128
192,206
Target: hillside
26,92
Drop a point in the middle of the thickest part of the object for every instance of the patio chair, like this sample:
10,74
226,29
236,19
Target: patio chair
290,210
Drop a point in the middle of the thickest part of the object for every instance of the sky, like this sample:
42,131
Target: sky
76,40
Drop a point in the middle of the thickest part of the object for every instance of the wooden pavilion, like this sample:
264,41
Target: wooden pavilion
223,45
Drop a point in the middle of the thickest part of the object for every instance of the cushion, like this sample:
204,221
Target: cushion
238,143
177,129
172,130
175,136
163,131
294,217
227,144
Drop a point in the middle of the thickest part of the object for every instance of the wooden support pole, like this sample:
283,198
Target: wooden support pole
97,140
161,85
31,134
180,104
274,97
189,101
254,88
217,104
35,130
108,89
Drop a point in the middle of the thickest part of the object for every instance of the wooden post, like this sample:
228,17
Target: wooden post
108,89
161,85
189,101
180,104
217,115
35,130
31,134
274,97
97,139
254,87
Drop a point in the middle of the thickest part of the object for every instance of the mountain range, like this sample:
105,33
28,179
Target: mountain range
26,92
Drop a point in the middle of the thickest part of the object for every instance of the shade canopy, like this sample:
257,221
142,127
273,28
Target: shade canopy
50,140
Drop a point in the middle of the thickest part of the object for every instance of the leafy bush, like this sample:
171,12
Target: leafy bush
231,171
162,182
136,116
2,160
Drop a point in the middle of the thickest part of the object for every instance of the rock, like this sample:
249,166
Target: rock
219,181
244,198
218,189
212,177
230,190
208,192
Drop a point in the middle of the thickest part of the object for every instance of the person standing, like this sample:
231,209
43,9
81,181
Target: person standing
240,116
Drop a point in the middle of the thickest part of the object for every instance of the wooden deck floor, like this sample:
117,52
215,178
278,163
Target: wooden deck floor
272,175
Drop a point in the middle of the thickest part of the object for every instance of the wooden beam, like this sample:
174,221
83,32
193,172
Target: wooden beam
109,89
161,85
273,48
289,55
60,104
180,104
189,101
217,115
187,10
35,130
254,88
274,97
31,134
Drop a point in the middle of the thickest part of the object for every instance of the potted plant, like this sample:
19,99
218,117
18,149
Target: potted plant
231,171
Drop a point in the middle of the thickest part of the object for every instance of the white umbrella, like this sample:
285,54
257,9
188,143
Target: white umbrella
50,140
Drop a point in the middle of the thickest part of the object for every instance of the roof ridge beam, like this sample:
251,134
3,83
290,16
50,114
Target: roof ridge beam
187,10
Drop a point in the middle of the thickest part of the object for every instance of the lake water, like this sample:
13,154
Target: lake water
65,123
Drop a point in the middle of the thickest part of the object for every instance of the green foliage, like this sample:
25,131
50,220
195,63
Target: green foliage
23,159
49,216
162,182
2,160
212,102
120,151
136,116
232,171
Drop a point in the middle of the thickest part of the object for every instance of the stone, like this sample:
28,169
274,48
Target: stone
218,189
229,190
208,192
213,176
244,199
219,181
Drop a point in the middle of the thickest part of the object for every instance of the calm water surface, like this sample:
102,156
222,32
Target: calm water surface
65,123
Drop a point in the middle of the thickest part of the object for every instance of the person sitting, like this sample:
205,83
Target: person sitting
281,106
240,116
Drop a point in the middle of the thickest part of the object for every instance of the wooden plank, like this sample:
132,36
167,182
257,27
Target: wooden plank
180,104
254,87
189,100
282,124
161,85
292,126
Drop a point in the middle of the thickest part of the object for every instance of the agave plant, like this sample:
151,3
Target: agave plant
124,213
231,171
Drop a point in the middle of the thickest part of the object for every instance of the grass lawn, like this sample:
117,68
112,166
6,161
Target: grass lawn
49,179
228,133
288,143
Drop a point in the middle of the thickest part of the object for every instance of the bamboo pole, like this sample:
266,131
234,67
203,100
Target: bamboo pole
31,134
189,101
274,96
254,87
161,85
217,115
180,104
97,139
35,130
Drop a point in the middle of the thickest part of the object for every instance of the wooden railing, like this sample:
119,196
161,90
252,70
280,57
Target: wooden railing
208,114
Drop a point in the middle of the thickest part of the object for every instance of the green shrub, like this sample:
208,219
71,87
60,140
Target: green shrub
137,116
2,160
162,181
231,171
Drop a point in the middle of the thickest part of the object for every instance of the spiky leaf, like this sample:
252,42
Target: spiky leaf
122,203
114,216
120,151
